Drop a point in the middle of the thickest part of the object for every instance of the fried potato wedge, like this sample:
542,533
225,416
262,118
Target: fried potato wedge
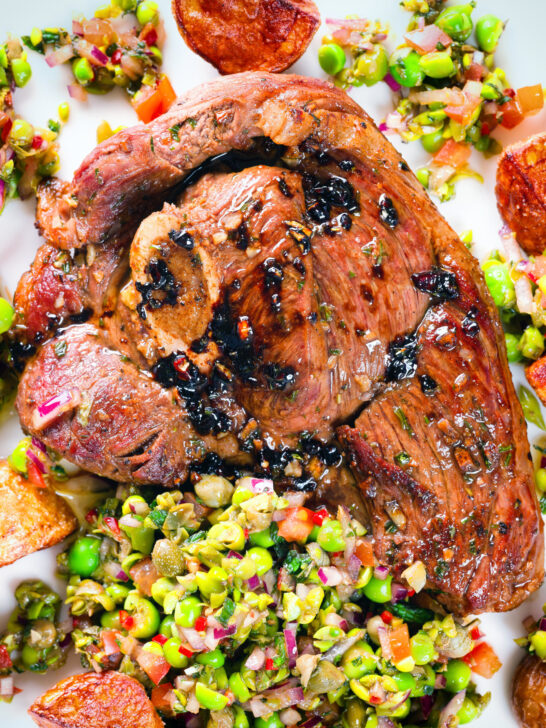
32,518
247,35
536,376
529,692
521,192
105,700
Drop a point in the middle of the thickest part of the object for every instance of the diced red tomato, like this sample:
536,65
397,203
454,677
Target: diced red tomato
463,111
185,651
386,617
162,697
483,660
126,620
364,551
6,128
112,524
320,516
144,574
269,664
476,634
160,639
110,640
297,525
91,515
426,39
530,99
116,57
400,644
34,475
455,154
155,666
37,141
5,659
201,624
475,72
510,114
151,104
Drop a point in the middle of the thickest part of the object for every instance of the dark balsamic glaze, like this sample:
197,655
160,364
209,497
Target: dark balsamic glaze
402,358
470,326
321,195
440,283
163,282
387,211
325,451
428,384
182,239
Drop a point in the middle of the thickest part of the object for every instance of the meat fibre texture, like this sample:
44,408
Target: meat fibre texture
521,192
295,286
529,692
91,700
32,518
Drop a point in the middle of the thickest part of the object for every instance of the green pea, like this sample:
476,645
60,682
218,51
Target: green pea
372,66
228,533
238,687
171,652
457,675
423,175
437,64
18,458
6,314
359,660
330,536
110,620
531,343
83,70
512,348
21,70
378,590
468,712
499,282
262,559
210,699
142,538
538,641
433,141
145,615
540,479
240,719
262,538
83,557
488,32
404,681
22,134
405,68
147,12
332,58
271,721
456,22
30,656
168,626
214,658
187,611
422,648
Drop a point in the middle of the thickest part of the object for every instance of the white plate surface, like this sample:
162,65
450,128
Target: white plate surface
522,54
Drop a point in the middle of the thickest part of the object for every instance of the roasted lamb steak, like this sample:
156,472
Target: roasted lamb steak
296,283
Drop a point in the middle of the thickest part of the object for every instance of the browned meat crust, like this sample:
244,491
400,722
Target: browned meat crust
32,518
105,700
529,692
247,35
358,278
521,192
536,376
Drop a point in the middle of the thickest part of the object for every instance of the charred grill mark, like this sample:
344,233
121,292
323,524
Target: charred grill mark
163,282
439,283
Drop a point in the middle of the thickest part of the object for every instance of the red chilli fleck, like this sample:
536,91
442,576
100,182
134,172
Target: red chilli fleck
201,624
160,639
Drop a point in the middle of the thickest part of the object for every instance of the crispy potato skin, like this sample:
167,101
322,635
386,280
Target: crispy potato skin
105,700
32,518
529,692
521,192
536,376
247,35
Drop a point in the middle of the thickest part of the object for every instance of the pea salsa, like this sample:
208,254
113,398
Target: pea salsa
239,601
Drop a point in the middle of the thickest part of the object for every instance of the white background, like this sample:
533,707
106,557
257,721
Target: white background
522,54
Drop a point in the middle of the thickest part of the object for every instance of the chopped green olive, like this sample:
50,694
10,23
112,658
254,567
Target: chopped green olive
489,29
372,65
405,67
456,22
210,699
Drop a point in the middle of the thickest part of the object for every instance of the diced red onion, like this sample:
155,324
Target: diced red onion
440,681
6,686
384,722
234,555
75,91
524,295
2,193
269,581
542,624
335,620
391,83
289,716
512,250
61,55
221,632
353,566
343,645
39,445
352,23
113,569
383,127
310,722
329,575
258,485
381,572
129,521
399,592
253,583
77,28
295,499
529,624
256,659
291,646
377,693
54,407
384,641
278,516
451,710
31,455
100,57
138,507
193,638
258,708
427,703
